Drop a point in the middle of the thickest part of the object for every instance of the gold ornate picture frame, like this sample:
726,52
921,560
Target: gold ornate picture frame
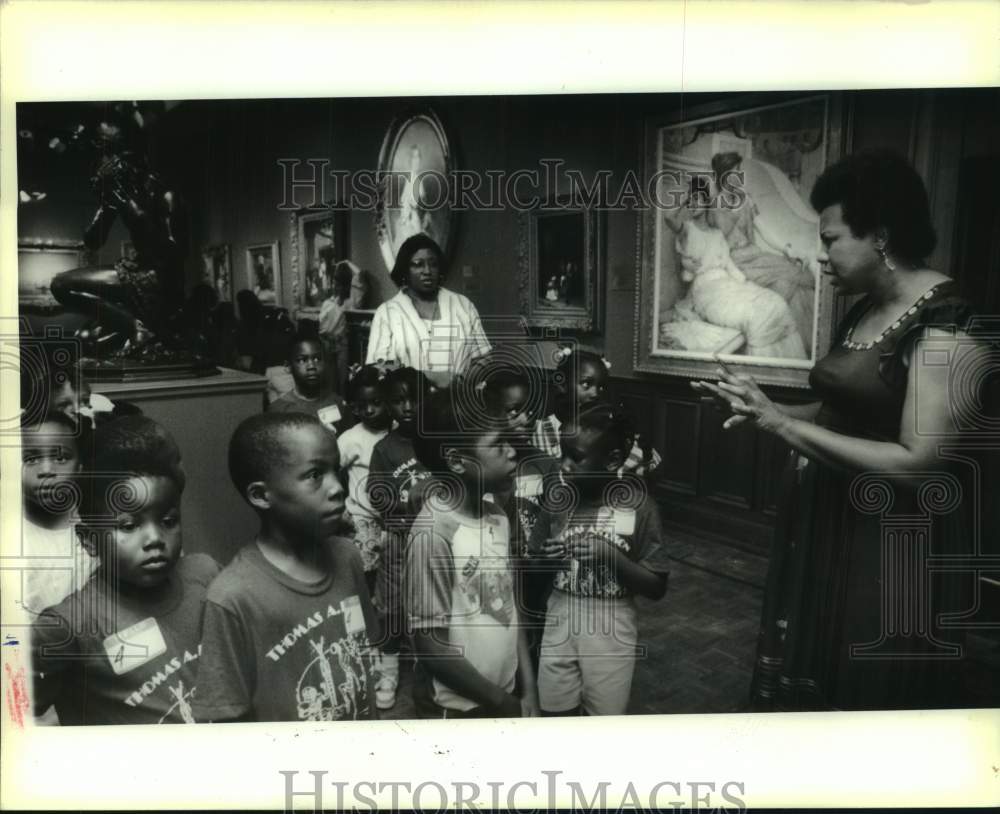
727,255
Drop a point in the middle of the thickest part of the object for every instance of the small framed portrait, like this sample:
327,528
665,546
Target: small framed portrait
728,252
217,270
264,272
415,167
319,240
561,264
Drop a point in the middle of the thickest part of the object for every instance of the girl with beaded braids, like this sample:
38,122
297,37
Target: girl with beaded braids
582,377
600,533
837,617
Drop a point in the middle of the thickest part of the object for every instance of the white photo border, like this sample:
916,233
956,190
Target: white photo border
155,50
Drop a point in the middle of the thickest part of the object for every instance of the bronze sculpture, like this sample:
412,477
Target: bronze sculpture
135,303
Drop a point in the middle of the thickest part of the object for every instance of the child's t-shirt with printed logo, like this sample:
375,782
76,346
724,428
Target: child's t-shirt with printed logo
535,469
637,532
394,481
278,649
124,657
458,577
396,484
522,503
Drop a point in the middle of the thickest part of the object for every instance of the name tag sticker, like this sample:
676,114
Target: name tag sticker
624,522
354,618
329,415
135,646
528,485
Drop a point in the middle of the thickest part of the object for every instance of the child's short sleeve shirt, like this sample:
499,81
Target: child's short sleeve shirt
277,649
331,409
458,577
395,482
638,533
356,447
111,657
56,565
534,470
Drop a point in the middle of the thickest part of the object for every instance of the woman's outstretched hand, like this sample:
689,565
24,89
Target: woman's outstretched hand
743,396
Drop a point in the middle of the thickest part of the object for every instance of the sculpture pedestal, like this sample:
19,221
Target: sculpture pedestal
173,367
201,414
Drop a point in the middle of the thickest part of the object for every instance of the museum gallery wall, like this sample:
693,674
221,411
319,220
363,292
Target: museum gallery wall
225,156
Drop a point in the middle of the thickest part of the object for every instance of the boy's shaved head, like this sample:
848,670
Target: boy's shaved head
256,445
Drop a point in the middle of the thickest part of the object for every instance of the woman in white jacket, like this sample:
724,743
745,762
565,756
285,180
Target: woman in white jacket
425,326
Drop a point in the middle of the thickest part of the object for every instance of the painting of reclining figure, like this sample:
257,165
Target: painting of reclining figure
731,267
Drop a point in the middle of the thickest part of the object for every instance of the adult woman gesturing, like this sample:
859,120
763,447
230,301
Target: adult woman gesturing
854,616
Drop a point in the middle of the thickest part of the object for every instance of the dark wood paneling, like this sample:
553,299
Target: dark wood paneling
661,422
677,442
718,483
639,407
726,475
770,458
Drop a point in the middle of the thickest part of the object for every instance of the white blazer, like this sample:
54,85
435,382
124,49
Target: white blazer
446,345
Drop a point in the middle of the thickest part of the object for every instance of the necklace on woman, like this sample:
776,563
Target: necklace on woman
851,345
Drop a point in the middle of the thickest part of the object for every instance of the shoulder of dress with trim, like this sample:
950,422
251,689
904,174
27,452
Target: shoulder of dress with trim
851,345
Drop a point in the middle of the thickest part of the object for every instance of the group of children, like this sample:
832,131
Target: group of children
406,517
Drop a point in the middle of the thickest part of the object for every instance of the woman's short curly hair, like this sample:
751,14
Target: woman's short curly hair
879,188
412,245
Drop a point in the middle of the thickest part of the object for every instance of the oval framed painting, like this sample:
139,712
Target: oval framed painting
414,166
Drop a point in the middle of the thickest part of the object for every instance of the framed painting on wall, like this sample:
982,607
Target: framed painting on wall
560,254
319,241
415,165
264,272
217,270
38,261
727,255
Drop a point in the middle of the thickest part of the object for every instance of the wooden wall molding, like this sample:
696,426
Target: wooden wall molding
713,482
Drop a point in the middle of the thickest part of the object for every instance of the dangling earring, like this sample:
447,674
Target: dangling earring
880,248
